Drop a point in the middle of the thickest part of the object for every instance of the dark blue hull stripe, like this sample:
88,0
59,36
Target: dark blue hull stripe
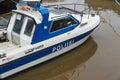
20,62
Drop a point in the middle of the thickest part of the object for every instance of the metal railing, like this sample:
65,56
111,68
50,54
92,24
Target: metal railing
65,8
72,7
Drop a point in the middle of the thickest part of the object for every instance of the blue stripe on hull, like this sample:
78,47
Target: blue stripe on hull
35,56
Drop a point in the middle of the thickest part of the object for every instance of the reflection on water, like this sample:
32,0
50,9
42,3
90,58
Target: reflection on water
105,64
71,62
112,19
109,13
103,5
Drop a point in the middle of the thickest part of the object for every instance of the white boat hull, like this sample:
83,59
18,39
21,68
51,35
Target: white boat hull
43,59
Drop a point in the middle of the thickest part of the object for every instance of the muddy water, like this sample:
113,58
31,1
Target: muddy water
97,59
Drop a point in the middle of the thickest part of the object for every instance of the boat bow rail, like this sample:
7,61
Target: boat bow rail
65,8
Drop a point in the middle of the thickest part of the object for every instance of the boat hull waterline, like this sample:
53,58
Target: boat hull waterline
44,55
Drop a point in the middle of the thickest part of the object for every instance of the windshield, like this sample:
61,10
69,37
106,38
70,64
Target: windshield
18,23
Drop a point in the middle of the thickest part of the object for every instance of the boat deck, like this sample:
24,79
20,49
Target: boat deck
6,45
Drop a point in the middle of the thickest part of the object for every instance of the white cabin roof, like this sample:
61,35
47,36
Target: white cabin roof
37,17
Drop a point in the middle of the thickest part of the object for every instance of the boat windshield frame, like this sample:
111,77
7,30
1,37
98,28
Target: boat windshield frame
26,16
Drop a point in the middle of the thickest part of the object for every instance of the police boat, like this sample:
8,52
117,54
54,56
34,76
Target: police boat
37,33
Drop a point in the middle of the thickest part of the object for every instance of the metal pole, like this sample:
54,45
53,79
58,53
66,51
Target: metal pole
89,13
74,8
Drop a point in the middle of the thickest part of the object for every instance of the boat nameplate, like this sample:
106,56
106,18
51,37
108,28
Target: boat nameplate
34,49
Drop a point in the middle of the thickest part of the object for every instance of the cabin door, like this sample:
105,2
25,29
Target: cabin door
17,29
27,31
23,30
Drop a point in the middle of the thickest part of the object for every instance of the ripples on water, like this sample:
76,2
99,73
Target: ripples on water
110,15
107,36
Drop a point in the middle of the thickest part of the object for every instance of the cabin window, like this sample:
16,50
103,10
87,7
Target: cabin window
62,23
29,27
18,23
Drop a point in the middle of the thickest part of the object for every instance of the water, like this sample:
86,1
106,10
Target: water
97,59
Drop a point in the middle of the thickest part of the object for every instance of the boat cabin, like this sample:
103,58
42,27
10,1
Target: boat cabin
30,25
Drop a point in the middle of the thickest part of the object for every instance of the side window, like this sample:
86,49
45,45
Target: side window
29,27
62,23
18,23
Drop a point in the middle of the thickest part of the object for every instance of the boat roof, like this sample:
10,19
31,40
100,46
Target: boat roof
38,13
48,11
